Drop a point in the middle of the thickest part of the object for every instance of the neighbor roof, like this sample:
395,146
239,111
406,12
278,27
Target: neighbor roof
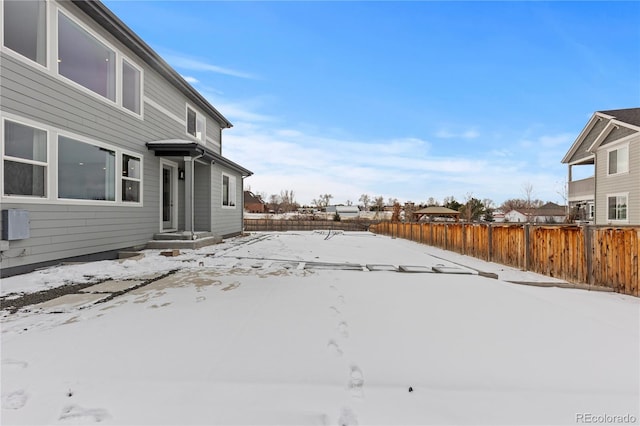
104,17
437,210
629,115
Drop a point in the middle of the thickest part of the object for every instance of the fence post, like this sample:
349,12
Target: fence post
588,252
526,247
446,228
490,242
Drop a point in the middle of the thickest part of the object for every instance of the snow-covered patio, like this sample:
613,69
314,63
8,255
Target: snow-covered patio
294,329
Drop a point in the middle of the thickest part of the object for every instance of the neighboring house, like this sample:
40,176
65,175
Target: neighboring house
609,148
253,203
103,144
548,213
345,212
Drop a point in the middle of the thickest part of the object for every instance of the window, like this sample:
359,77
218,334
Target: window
619,160
25,160
130,87
85,60
617,207
130,178
25,30
228,190
591,211
85,171
195,124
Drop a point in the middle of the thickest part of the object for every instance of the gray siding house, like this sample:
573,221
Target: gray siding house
103,144
609,148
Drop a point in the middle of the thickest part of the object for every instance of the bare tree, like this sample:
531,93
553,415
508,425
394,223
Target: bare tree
274,203
432,202
365,200
322,201
287,198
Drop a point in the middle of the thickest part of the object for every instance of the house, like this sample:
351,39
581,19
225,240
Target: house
608,148
104,146
345,212
253,203
547,213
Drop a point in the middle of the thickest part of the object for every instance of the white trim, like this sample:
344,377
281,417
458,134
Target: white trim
52,167
174,195
46,165
165,111
201,140
232,191
617,147
581,161
124,58
606,211
13,53
590,125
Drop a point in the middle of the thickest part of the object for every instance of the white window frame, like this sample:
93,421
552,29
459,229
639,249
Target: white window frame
52,167
619,194
46,165
591,211
117,75
120,85
618,148
232,189
199,117
123,178
20,56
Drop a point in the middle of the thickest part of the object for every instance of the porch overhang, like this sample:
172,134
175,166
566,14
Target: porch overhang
186,148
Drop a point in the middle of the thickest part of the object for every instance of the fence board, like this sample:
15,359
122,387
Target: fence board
560,251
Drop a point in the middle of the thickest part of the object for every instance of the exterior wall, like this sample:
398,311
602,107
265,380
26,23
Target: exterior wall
582,151
226,220
202,197
69,228
626,183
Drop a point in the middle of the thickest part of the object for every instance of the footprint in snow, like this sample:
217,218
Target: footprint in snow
14,400
356,382
347,417
334,348
13,364
335,310
76,413
343,328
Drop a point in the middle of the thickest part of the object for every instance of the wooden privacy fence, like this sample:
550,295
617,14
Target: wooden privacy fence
594,255
304,225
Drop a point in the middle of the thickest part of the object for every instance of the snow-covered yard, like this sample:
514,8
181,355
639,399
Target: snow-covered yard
293,329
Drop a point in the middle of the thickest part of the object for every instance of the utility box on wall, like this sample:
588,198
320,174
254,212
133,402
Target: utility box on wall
15,224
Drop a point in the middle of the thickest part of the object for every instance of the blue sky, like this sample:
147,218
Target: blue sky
408,100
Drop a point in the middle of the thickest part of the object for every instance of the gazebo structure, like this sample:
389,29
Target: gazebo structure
436,211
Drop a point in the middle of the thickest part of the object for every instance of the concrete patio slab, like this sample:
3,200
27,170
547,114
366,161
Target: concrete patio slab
69,302
415,269
333,266
390,268
452,270
111,286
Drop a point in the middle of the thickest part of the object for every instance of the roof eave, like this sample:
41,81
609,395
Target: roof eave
109,21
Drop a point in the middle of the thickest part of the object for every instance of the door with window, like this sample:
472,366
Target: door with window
168,207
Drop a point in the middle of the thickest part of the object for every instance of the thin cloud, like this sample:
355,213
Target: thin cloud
468,134
182,62
190,80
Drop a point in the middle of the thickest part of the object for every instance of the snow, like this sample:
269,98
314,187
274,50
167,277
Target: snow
245,333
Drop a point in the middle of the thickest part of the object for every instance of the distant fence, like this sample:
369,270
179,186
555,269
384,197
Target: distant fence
594,255
304,225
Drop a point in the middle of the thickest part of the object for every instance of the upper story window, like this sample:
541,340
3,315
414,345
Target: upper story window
25,160
85,60
618,160
25,29
131,77
195,124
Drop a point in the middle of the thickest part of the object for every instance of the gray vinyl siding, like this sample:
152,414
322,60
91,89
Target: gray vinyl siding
226,221
63,229
623,183
617,134
202,197
582,151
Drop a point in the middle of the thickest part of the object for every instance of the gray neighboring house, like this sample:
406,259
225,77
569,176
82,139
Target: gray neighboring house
609,148
104,146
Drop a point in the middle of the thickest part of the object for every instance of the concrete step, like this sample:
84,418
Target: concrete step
184,244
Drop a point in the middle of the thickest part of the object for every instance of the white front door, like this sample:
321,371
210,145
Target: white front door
169,196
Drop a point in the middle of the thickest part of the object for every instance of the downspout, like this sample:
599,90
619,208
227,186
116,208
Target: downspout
193,173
